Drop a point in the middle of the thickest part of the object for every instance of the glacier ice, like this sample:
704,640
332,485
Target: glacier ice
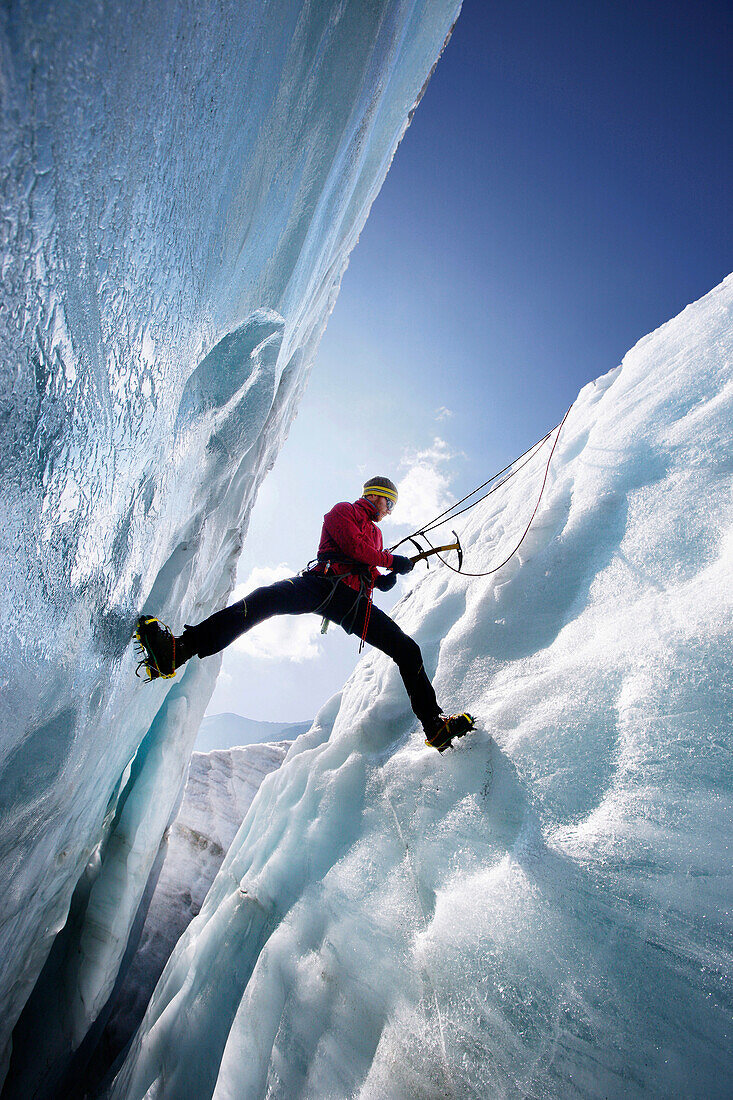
219,790
544,910
180,188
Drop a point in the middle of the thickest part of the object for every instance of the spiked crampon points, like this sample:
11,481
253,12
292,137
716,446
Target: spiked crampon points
156,646
446,728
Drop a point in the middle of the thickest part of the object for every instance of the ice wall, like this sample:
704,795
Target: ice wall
543,911
181,185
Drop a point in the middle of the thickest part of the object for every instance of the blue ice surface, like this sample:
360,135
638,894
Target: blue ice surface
181,188
544,910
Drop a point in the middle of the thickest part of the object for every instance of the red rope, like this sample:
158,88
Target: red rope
539,498
366,620
438,520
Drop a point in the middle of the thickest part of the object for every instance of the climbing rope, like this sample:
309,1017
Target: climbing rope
450,514
426,926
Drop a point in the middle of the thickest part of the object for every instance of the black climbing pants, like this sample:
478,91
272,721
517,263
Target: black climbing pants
314,593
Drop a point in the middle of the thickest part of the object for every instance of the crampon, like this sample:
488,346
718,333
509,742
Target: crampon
454,725
156,647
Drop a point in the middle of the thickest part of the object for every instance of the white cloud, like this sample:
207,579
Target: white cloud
284,637
442,413
424,490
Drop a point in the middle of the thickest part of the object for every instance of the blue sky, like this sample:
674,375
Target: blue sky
563,190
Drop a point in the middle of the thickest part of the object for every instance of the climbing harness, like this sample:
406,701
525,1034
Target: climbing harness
359,570
450,513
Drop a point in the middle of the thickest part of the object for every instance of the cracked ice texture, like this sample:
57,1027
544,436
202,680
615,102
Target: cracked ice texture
544,910
181,187
219,790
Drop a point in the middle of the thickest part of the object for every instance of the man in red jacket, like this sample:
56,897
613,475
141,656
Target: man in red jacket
339,585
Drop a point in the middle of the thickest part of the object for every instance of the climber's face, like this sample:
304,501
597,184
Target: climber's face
382,505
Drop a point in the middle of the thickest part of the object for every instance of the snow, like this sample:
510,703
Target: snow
179,194
219,790
545,909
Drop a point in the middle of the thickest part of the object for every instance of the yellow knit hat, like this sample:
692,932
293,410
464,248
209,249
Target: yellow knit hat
381,487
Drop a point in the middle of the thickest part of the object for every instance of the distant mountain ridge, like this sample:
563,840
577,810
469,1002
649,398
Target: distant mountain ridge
229,730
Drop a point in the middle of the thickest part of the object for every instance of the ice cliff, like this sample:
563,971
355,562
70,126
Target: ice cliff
543,911
180,188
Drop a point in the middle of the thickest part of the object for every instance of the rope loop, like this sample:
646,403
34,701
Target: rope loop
449,514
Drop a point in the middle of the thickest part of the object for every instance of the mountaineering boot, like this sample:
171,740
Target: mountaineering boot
161,652
445,727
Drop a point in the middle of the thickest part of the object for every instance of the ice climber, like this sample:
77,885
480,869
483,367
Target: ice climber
338,585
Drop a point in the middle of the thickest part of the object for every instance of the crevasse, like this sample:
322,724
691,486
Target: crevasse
543,910
180,188
220,787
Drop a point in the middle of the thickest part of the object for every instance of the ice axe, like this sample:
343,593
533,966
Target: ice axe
439,550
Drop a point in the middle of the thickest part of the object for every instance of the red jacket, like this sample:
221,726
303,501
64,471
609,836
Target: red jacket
348,531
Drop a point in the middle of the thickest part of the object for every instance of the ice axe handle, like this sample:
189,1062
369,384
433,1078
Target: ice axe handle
437,550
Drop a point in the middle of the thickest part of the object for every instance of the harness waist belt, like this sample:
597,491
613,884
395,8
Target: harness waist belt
358,568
